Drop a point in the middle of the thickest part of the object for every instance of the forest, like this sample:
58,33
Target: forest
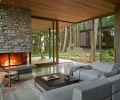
75,41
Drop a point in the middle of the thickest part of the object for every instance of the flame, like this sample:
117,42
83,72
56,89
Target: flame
6,63
12,62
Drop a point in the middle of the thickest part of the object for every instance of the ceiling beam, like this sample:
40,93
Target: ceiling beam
44,18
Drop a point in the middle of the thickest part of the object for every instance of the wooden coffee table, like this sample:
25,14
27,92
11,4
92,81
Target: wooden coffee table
52,84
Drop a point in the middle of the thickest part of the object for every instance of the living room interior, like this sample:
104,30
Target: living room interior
36,34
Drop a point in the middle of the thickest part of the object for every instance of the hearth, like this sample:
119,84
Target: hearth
11,60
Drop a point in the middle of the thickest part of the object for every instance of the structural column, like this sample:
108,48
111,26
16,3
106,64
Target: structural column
57,47
49,43
53,33
117,34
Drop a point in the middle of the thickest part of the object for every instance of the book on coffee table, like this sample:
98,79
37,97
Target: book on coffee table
50,77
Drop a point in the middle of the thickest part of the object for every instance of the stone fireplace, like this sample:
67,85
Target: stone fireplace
15,35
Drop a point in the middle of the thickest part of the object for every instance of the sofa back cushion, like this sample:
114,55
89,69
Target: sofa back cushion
103,66
99,89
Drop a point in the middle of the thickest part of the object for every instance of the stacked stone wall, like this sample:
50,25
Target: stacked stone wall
15,29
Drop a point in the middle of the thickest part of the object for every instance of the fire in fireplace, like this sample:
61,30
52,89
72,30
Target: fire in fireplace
13,59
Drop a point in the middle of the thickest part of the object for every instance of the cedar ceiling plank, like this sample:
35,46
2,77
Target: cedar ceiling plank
72,10
116,2
69,10
50,10
63,5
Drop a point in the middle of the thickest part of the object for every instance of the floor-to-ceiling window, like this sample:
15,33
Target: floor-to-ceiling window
43,41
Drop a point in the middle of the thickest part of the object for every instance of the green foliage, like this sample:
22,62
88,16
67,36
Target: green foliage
108,21
107,56
86,25
71,46
37,43
108,52
82,57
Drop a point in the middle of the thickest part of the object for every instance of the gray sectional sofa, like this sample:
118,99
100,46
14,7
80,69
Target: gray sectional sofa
94,89
103,84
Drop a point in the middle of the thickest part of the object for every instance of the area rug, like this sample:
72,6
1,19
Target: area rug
25,91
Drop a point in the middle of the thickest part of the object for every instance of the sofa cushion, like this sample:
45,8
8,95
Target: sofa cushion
89,74
103,66
99,89
63,93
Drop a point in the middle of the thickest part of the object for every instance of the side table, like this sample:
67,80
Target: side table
12,76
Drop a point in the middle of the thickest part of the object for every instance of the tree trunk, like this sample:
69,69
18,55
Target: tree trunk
65,40
75,35
94,39
70,35
78,36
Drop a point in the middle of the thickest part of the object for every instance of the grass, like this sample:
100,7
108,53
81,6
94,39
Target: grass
82,57
85,57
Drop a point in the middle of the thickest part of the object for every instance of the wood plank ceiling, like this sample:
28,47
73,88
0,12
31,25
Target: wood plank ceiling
45,25
116,2
65,10
41,25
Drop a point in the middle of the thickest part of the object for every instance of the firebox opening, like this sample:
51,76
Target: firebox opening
13,59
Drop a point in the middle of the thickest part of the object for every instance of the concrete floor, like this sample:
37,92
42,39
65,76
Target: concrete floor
38,60
63,67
